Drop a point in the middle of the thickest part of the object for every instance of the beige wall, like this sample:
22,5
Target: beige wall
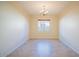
33,33
53,34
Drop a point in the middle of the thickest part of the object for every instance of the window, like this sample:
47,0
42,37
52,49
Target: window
43,25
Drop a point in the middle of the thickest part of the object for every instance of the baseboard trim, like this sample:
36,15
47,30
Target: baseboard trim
5,54
69,45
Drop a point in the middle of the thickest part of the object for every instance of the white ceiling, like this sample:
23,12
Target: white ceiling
34,7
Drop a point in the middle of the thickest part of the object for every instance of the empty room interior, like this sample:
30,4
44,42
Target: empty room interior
39,29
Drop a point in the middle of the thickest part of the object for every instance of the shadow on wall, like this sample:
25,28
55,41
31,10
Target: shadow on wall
69,29
13,29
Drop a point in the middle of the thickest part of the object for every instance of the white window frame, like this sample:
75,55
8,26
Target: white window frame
43,25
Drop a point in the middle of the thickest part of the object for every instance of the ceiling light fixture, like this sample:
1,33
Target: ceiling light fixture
44,11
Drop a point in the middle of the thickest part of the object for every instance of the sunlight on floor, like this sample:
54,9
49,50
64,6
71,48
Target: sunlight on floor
44,48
